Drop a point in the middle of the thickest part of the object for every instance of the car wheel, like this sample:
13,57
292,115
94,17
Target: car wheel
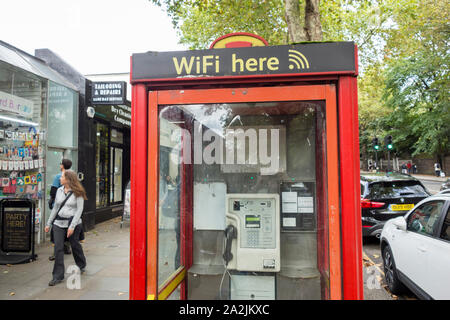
390,272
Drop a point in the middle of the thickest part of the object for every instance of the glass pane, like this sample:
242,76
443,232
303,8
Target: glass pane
62,116
425,219
385,190
259,168
22,138
445,232
118,174
102,159
169,200
54,157
111,175
116,136
73,156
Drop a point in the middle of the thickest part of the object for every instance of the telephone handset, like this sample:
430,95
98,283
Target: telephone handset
230,234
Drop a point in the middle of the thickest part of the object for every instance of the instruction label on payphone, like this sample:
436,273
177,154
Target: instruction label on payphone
256,220
298,206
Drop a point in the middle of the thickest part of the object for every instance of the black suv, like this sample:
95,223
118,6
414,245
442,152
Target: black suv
386,196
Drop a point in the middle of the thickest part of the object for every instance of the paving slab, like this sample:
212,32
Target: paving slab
106,278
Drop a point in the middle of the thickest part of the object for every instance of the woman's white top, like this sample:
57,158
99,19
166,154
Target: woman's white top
72,208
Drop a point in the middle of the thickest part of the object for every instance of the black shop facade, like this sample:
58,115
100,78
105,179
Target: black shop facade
107,163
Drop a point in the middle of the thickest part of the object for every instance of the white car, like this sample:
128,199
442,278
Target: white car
416,249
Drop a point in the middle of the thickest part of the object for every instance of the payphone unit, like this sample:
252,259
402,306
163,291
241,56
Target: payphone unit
252,233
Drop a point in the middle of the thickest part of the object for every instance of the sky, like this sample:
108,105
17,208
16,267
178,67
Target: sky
93,36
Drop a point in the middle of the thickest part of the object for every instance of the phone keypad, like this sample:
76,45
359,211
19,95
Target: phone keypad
252,239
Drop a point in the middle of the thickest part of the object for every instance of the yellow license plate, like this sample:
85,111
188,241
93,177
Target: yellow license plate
401,207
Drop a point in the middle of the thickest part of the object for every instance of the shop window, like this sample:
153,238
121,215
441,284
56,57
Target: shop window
116,174
116,136
62,116
22,142
102,163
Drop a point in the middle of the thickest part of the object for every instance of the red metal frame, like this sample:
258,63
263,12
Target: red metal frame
350,191
138,227
312,92
144,116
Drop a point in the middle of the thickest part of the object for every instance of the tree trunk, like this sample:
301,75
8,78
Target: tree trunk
313,27
295,29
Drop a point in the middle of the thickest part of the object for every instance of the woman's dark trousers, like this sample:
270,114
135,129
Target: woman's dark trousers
77,250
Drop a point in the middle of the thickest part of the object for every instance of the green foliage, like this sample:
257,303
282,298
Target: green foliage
403,51
199,22
417,90
417,79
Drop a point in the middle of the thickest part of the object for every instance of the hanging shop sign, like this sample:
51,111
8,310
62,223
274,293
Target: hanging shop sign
120,114
17,220
16,105
113,92
311,58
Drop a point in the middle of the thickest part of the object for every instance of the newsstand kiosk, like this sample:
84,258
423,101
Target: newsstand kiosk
245,172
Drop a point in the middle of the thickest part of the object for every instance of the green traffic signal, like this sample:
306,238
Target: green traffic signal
388,142
376,147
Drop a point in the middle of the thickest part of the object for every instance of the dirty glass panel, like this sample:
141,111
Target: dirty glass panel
266,155
102,160
169,195
62,116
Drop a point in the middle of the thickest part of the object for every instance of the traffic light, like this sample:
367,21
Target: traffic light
375,144
388,142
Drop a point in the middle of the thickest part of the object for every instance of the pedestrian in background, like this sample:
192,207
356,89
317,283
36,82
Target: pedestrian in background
409,167
65,220
437,169
404,168
65,164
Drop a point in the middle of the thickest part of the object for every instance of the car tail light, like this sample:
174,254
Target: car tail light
365,203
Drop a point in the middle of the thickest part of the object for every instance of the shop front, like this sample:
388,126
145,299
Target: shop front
103,141
245,173
38,127
111,125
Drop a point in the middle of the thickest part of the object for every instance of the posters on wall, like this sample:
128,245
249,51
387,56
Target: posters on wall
21,163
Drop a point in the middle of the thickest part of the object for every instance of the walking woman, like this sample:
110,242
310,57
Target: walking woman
65,220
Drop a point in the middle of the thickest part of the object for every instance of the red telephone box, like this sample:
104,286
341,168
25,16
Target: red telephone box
245,172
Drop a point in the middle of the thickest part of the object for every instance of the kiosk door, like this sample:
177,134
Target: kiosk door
240,173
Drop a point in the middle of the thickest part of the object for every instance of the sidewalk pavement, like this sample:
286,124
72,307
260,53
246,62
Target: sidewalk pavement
422,177
429,177
106,278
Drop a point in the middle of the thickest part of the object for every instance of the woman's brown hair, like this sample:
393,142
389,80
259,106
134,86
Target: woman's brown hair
74,184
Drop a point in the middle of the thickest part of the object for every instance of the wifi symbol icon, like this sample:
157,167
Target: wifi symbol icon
297,60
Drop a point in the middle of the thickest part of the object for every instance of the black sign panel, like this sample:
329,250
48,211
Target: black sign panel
120,114
332,57
113,92
16,226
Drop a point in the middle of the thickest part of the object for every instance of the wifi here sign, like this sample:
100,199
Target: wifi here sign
331,57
